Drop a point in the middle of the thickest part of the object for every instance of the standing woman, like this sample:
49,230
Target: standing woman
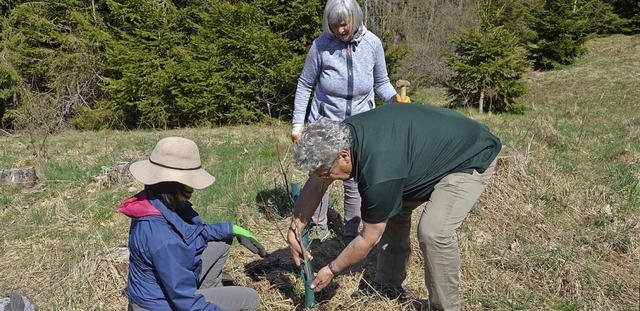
176,260
345,66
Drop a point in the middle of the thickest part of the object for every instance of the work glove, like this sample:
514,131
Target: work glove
295,132
400,99
248,240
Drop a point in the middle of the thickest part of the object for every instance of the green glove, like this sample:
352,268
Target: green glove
248,240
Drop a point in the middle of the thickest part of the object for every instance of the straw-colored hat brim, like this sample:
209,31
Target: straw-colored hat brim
150,174
174,159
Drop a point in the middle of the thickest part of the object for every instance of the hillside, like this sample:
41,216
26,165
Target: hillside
557,229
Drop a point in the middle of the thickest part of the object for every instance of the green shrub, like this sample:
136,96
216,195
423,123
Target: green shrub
489,66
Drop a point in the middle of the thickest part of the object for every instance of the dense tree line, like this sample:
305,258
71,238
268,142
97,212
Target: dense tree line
152,64
171,63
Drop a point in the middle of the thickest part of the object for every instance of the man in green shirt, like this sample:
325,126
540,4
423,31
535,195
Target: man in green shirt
401,155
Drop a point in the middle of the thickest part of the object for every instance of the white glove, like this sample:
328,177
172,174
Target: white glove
295,132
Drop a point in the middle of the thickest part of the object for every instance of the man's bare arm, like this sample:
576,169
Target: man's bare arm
306,204
355,252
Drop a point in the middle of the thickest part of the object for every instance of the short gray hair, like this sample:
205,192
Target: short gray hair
320,143
337,11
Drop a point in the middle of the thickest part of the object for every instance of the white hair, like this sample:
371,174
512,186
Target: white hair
320,143
337,11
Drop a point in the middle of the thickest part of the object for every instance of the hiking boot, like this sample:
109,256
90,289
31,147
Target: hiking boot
319,232
391,292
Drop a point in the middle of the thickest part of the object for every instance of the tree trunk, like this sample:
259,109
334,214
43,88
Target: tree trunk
480,102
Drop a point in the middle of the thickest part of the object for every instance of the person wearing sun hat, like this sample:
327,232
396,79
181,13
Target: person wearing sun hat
176,260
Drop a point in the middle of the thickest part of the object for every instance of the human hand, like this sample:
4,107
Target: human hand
322,278
295,132
401,99
294,238
248,240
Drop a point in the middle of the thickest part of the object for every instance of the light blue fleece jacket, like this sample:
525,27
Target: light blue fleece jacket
345,77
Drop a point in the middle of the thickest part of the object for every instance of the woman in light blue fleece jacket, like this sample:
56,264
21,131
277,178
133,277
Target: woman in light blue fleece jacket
345,66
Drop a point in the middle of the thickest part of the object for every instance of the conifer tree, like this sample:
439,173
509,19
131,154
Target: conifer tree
47,58
562,29
192,65
629,12
298,21
489,64
8,87
154,64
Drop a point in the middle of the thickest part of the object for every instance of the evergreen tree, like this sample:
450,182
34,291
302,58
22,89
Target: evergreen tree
513,15
249,71
6,6
602,19
489,64
194,64
49,58
8,87
153,64
562,29
137,57
629,12
298,21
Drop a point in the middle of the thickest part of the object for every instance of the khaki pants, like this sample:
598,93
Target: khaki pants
449,204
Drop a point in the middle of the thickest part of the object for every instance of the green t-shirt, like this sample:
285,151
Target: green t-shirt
401,151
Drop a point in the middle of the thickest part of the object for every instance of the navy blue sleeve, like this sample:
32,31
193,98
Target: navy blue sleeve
172,262
220,231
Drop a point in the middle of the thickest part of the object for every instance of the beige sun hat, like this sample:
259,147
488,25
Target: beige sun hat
173,159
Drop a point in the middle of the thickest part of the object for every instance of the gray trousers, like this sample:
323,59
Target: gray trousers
449,204
352,202
210,283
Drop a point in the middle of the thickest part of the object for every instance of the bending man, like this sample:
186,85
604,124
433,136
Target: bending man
401,156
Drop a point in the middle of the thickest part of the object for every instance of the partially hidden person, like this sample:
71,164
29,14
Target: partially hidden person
176,260
345,67
402,156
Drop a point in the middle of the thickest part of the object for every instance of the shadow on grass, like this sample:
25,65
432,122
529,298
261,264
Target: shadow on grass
279,269
275,203
283,275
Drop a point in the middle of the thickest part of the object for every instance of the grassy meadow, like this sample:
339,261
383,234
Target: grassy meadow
557,229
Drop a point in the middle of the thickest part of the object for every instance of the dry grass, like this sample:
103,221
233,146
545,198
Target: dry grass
557,229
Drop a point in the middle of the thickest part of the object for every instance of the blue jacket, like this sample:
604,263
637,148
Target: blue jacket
345,77
165,249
